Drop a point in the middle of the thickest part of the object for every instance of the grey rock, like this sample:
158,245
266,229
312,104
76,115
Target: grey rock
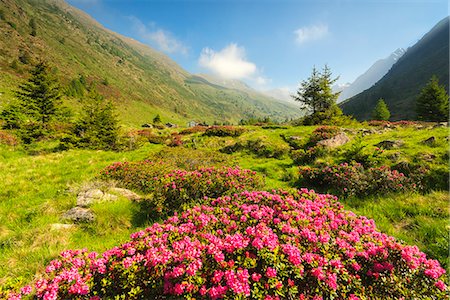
390,144
441,124
394,156
79,215
130,195
428,157
89,197
59,226
295,138
429,141
336,141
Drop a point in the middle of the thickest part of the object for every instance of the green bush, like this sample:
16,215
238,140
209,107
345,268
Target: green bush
224,131
355,180
259,147
302,156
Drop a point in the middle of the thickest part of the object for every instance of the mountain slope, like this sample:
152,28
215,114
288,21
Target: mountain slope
371,76
402,84
142,81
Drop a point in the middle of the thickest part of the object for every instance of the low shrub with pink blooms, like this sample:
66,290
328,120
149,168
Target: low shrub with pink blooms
355,180
171,189
7,138
323,133
256,245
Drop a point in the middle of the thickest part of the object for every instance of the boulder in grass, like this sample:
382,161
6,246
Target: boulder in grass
89,197
335,141
130,195
79,215
390,144
430,141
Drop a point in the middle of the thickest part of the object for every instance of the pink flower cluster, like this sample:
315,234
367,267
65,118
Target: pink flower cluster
256,244
353,179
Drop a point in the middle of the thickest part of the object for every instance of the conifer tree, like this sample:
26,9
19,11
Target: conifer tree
432,103
315,93
40,96
381,111
97,127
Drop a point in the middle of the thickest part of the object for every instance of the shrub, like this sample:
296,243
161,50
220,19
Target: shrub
224,131
260,147
194,129
192,159
354,180
8,139
136,175
180,187
323,133
173,188
302,156
175,141
257,244
403,123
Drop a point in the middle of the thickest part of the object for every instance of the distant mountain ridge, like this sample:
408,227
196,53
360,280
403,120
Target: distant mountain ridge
142,81
402,84
372,75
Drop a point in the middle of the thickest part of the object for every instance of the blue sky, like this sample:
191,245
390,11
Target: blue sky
271,43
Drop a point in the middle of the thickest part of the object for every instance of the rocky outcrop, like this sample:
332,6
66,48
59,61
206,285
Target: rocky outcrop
79,215
390,144
89,197
336,141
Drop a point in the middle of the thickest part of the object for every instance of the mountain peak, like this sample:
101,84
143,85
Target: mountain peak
402,84
372,75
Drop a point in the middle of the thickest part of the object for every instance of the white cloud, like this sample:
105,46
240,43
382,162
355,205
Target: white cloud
311,33
229,63
262,81
162,39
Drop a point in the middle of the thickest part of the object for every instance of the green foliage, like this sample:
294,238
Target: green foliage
432,103
171,189
33,26
332,116
40,96
157,119
13,116
77,87
381,111
361,152
315,93
97,127
24,57
261,147
355,180
301,156
224,131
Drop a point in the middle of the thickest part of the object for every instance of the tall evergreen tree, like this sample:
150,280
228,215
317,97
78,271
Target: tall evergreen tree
432,103
381,111
315,93
40,96
98,126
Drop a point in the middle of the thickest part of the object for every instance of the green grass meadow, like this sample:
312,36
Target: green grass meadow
37,187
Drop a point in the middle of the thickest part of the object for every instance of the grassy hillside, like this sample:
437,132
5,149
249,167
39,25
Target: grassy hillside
402,84
142,81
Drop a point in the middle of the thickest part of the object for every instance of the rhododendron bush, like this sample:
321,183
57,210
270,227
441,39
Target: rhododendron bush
355,180
172,189
256,244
